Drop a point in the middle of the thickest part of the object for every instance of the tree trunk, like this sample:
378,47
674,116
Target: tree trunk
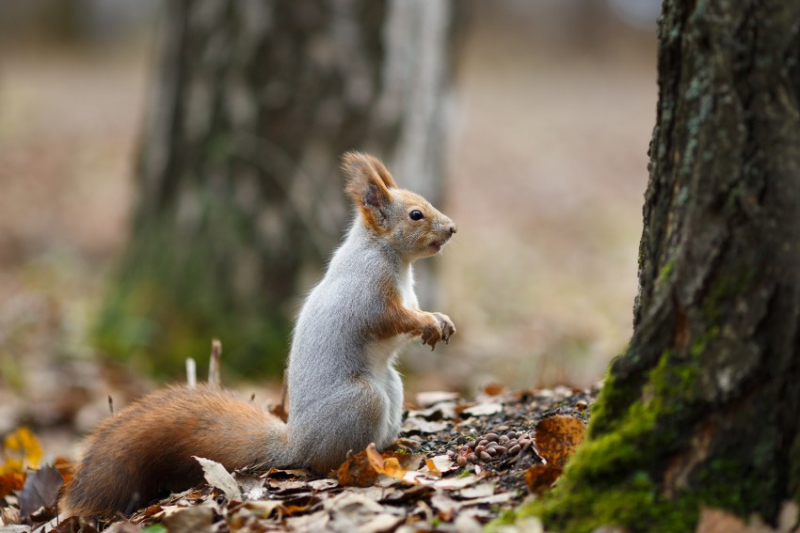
239,190
702,409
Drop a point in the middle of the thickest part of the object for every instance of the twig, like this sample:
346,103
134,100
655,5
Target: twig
111,404
191,373
214,372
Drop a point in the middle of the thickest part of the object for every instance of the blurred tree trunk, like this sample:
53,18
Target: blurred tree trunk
702,410
239,193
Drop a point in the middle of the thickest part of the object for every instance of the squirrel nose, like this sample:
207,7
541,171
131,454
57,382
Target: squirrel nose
453,228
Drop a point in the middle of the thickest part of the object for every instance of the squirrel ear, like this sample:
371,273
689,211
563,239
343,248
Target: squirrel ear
368,181
368,184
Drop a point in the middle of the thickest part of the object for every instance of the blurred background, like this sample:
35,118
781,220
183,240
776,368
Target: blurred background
168,174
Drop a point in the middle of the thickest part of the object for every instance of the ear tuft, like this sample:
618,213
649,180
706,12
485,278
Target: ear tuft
361,170
368,184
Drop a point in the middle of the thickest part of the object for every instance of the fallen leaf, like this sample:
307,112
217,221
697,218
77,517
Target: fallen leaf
217,476
9,516
353,512
21,450
556,438
483,409
478,491
435,413
442,463
457,483
310,522
467,524
191,520
445,506
289,473
73,524
426,399
323,484
418,425
280,486
432,468
10,482
406,494
124,527
252,487
494,389
40,490
491,500
356,471
388,466
262,508
359,471
541,477
65,466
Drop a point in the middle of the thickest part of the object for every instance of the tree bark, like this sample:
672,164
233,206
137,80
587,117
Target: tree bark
239,190
702,409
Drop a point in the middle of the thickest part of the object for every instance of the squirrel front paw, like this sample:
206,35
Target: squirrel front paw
439,328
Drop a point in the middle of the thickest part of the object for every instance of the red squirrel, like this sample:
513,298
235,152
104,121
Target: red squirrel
343,391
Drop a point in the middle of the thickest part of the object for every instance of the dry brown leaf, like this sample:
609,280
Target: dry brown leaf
412,426
426,399
432,468
41,490
541,477
457,483
217,476
65,466
281,486
356,471
363,468
557,437
11,481
190,520
73,524
494,389
443,463
482,409
388,466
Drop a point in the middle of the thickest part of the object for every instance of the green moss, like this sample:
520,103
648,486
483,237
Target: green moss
665,273
718,297
634,504
609,479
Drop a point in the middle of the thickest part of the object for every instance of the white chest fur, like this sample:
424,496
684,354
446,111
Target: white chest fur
406,287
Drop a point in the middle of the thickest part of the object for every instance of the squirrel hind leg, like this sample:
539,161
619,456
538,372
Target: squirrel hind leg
355,418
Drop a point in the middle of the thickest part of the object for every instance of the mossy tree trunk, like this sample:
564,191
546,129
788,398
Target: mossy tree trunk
702,409
239,194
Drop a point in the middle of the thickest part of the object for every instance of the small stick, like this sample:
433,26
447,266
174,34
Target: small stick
111,404
191,373
214,372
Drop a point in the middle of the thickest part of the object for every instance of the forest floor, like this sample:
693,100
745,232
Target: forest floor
461,465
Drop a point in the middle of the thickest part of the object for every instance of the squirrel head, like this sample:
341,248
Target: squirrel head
405,220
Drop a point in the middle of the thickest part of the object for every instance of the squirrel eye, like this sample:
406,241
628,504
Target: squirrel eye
416,214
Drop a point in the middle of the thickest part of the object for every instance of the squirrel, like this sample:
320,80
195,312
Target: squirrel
342,389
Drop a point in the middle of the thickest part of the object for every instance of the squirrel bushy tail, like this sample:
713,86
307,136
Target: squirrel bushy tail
147,449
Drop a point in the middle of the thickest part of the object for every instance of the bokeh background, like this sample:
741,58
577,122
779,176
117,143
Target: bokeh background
554,103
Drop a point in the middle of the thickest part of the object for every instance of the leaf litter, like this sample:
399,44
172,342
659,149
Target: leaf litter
424,483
